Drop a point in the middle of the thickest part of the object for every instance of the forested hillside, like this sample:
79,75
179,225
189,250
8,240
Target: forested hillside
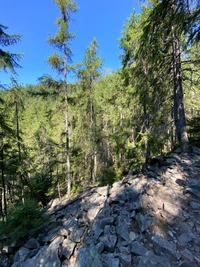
59,137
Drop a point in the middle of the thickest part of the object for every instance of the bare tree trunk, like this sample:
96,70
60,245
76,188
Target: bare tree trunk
179,111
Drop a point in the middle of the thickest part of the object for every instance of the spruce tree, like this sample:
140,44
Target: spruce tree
8,60
88,76
60,61
167,24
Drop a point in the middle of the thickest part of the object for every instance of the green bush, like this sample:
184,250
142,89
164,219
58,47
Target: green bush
108,176
21,219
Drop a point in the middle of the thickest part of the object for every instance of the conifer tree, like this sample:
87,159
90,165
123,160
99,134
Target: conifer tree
8,60
164,29
89,75
60,61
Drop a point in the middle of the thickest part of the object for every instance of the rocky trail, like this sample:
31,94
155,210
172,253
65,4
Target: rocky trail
149,219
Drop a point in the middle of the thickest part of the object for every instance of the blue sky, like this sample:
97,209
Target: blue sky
35,20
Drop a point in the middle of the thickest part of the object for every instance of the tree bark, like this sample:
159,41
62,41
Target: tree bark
4,204
179,111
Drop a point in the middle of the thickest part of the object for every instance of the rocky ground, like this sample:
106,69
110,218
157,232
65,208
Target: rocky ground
149,219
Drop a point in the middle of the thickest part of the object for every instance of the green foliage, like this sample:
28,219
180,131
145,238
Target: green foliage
77,188
194,130
21,219
8,60
107,176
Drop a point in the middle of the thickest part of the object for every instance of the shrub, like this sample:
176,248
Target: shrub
21,219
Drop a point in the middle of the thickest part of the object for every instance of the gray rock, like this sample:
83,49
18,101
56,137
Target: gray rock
187,255
22,254
109,260
33,252
132,236
185,238
123,231
32,244
3,260
184,264
144,221
137,248
133,214
109,242
194,192
195,205
103,191
165,247
100,247
77,234
67,247
88,257
125,259
123,249
152,260
152,174
46,257
131,195
58,231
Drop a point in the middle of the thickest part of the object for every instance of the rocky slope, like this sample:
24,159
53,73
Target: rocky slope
149,219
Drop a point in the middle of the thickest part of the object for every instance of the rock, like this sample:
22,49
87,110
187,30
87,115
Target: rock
100,247
165,247
152,174
184,264
123,231
152,260
47,256
132,236
58,231
185,238
109,260
77,234
32,244
137,248
22,254
103,191
3,260
109,242
187,255
144,221
88,257
33,252
195,205
67,247
125,259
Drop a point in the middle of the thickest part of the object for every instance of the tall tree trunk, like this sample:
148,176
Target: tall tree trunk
4,204
67,143
93,161
179,112
146,126
19,149
67,132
